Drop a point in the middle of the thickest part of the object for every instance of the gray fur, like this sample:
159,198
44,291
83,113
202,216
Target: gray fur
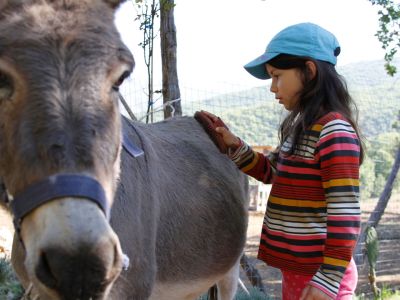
188,198
179,210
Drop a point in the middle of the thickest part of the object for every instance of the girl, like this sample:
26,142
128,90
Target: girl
312,220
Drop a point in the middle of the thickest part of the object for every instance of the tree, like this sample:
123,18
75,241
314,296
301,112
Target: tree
150,10
170,86
146,17
389,36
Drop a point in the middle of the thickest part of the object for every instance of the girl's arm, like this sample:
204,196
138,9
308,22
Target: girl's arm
248,161
338,150
253,163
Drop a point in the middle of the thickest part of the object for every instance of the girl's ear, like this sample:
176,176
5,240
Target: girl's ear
311,69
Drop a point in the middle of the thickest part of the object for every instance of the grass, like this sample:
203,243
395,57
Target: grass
10,288
386,294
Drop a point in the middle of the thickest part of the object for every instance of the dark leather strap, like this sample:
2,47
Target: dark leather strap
129,146
67,185
58,186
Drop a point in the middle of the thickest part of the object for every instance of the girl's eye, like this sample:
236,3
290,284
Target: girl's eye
120,80
6,87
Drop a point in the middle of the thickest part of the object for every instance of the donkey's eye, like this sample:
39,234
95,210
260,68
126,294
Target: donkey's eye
6,87
120,80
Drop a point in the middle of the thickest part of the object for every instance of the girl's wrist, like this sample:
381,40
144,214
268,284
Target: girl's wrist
235,145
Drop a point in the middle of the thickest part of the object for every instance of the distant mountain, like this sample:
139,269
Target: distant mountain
255,116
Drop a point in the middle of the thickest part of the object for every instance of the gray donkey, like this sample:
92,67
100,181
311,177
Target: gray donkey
82,201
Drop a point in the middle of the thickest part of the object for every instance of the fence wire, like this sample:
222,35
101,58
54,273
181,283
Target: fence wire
257,102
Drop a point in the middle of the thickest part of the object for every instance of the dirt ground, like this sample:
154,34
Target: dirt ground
388,265
6,232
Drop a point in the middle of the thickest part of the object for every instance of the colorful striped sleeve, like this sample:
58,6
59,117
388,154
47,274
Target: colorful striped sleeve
253,163
338,150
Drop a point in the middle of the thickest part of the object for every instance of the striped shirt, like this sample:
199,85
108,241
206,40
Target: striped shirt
312,220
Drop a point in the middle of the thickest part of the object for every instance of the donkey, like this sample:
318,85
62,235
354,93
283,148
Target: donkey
83,201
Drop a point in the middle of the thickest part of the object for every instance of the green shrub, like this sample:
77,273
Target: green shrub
10,288
386,294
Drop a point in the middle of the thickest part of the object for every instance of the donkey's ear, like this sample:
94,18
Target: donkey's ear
113,3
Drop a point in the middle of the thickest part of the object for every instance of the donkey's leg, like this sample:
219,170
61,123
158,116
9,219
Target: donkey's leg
227,286
18,259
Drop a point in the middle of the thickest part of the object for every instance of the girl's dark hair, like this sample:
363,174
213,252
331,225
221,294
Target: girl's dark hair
326,92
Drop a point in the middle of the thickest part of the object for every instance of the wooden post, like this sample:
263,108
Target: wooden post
170,84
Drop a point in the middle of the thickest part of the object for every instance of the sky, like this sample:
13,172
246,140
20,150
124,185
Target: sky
215,38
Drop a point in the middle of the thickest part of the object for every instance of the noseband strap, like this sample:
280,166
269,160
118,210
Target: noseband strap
57,186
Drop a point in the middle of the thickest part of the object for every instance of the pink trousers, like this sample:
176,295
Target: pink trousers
293,284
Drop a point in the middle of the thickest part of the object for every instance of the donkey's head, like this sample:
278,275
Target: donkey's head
61,62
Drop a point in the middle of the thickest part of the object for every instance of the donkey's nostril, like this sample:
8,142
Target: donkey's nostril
81,274
44,272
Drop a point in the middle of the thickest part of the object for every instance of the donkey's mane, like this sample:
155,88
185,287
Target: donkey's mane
62,17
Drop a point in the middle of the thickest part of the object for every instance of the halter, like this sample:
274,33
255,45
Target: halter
63,185
57,186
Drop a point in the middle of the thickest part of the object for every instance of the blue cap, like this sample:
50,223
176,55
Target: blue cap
304,39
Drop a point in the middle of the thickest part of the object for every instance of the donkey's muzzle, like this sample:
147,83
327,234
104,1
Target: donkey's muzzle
83,274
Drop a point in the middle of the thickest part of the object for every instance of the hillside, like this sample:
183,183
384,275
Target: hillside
255,116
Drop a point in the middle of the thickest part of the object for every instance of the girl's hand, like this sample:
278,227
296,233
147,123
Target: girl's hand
312,293
230,140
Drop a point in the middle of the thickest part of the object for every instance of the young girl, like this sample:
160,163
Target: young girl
312,220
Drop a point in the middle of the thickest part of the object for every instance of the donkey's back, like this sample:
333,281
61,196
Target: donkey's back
180,214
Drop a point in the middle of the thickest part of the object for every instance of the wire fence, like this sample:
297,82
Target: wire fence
220,101
228,97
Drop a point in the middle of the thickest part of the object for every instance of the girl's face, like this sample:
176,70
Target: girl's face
286,85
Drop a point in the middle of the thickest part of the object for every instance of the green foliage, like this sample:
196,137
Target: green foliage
146,16
384,160
388,34
10,288
379,185
381,152
149,11
372,245
389,294
367,172
254,115
386,294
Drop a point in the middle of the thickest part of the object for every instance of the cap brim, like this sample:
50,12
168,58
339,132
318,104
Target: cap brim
257,66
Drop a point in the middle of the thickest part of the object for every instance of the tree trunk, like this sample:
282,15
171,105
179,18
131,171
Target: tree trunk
170,84
379,209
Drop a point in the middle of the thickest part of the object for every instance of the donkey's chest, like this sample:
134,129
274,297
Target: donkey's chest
188,290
